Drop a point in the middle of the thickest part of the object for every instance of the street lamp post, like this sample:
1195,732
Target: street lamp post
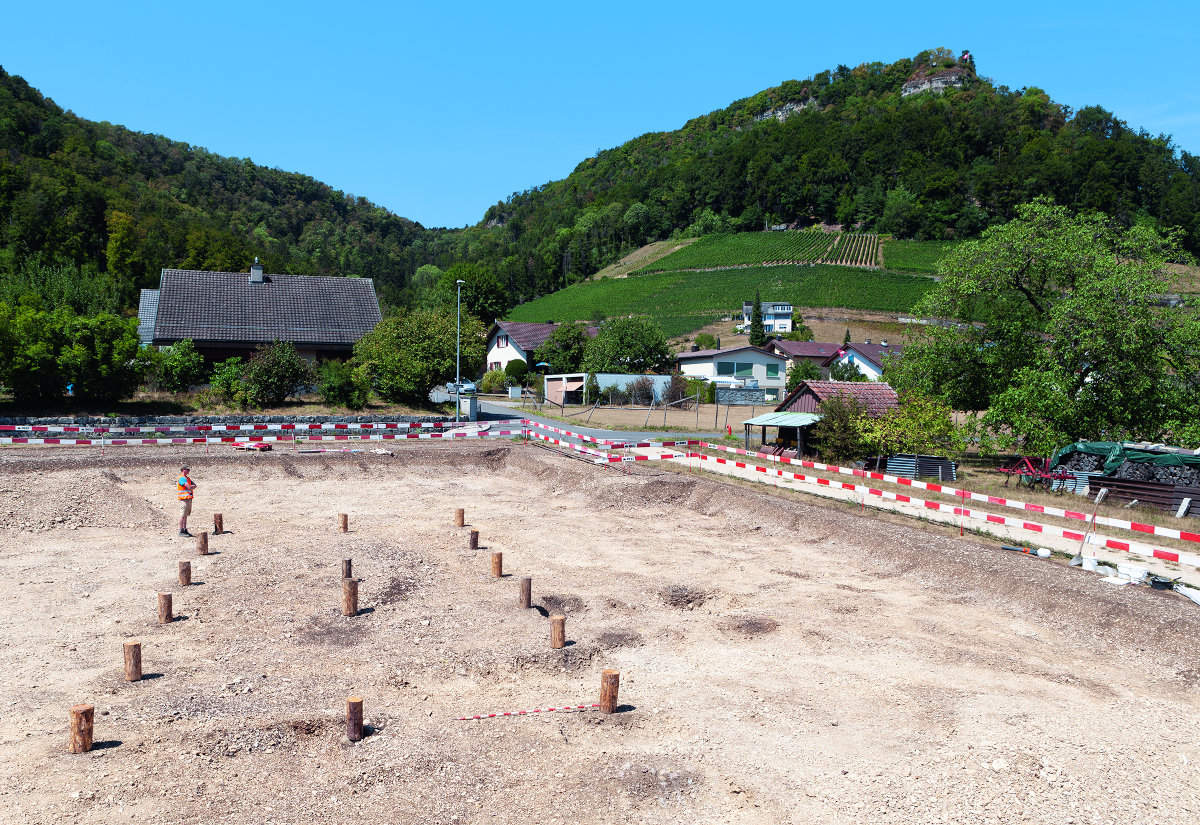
457,352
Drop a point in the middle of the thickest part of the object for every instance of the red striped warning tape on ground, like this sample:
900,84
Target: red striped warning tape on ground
242,439
979,515
123,442
526,712
967,495
409,436
203,428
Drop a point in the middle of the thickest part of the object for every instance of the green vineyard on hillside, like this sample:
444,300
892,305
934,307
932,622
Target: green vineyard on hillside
810,246
685,301
747,249
915,256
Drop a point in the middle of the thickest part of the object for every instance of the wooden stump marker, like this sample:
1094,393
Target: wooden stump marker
473,540
497,564
81,728
185,573
344,522
164,609
347,568
558,632
202,544
349,597
218,524
354,718
526,598
610,681
460,517
133,661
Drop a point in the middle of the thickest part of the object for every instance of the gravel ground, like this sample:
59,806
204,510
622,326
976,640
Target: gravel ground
780,661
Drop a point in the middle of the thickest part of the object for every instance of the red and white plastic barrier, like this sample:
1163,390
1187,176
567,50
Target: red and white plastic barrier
967,495
979,515
203,428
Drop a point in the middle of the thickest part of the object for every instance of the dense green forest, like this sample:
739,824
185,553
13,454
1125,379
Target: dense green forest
101,199
843,146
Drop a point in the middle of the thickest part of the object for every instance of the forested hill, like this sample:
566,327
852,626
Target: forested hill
844,146
105,199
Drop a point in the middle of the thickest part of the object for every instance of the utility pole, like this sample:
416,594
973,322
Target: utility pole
458,352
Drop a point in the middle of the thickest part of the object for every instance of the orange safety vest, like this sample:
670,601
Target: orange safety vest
183,486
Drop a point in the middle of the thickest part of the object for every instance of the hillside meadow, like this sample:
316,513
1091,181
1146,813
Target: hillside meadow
681,302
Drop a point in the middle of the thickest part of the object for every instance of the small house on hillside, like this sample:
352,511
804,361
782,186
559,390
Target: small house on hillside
744,366
515,340
233,313
777,315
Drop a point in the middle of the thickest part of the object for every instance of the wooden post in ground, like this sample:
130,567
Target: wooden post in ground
349,597
460,517
202,544
354,718
558,632
344,522
218,524
473,540
526,592
164,608
81,728
497,564
133,661
347,569
185,573
610,681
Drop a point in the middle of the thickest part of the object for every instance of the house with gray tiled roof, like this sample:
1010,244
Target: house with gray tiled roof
234,313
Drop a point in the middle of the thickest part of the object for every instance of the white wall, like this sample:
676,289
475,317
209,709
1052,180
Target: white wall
707,367
864,366
499,355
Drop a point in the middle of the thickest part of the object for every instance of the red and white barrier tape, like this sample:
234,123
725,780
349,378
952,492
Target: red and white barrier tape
202,428
526,712
411,436
980,515
122,442
967,495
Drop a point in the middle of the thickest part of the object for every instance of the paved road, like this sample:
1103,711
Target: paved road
491,411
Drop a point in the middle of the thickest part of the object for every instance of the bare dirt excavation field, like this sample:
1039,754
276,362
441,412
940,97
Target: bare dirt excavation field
780,662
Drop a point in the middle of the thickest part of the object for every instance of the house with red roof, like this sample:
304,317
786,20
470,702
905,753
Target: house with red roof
875,397
515,340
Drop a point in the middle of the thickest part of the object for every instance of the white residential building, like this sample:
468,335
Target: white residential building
777,316
744,366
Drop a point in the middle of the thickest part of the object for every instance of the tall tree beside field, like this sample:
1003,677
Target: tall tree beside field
628,345
758,335
1067,336
564,349
409,353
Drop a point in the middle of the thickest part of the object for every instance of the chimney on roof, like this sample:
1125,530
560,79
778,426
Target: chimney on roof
256,272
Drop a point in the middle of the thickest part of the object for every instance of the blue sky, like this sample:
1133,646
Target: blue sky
437,113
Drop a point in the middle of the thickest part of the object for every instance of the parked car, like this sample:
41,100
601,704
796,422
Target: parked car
463,388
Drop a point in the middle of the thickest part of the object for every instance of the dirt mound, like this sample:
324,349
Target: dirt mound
562,603
683,597
35,503
749,625
619,638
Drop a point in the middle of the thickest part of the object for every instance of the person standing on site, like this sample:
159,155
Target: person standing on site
184,487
